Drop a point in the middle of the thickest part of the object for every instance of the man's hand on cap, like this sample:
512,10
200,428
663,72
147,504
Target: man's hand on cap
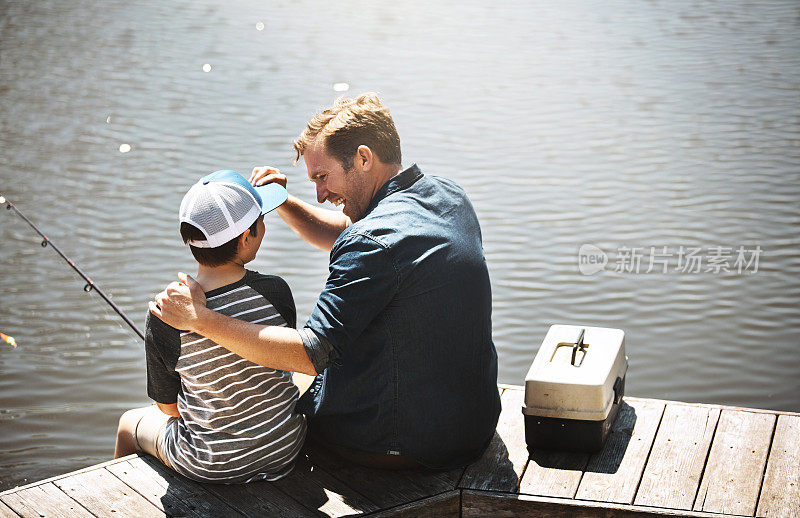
265,174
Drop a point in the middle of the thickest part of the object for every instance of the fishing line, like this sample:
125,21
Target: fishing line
90,285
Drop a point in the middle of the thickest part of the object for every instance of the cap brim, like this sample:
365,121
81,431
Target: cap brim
272,196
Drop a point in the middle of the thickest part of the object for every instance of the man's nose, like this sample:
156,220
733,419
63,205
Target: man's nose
322,193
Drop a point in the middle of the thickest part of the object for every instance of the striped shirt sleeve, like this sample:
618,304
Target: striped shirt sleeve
162,348
277,291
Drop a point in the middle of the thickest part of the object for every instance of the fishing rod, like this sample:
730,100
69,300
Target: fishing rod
90,285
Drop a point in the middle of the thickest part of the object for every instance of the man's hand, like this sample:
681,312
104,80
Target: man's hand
266,174
317,226
181,304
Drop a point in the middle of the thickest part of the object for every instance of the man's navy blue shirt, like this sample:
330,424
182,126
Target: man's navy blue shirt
402,332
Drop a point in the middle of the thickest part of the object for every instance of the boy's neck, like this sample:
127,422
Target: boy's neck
213,277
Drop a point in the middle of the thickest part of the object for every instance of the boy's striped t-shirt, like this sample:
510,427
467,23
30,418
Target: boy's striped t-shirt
237,419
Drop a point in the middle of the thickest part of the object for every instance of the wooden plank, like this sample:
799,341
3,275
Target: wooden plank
672,474
732,477
385,488
613,474
6,512
319,491
718,406
259,499
780,494
172,493
501,466
43,500
553,473
71,473
446,505
102,494
479,504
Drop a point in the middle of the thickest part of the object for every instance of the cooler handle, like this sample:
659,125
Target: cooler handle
578,346
618,391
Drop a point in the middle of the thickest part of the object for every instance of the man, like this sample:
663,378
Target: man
401,333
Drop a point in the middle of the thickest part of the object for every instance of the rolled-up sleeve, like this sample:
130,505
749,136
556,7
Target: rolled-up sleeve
362,280
317,348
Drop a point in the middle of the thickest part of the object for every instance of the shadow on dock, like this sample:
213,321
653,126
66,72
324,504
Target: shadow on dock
607,460
662,458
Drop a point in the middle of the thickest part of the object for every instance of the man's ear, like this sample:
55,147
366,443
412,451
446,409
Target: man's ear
364,159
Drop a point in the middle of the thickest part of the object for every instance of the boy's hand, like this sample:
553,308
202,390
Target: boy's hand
181,304
266,174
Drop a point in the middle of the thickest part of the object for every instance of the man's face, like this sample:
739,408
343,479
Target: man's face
349,188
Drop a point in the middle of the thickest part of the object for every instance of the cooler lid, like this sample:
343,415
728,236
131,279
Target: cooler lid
573,374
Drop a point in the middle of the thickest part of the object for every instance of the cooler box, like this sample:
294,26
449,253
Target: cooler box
574,388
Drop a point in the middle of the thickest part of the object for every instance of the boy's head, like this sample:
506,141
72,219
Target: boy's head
221,211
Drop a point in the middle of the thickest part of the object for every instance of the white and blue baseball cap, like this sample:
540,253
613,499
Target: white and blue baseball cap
224,204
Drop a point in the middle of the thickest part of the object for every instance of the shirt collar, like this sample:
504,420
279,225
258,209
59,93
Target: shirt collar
398,182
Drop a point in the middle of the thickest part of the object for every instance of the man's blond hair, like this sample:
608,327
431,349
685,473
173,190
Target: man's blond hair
350,123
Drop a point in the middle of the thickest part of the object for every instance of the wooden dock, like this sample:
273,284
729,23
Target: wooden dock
663,458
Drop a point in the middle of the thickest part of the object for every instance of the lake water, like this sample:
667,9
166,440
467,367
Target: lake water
665,134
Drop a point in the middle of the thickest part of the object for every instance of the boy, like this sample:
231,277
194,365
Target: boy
218,417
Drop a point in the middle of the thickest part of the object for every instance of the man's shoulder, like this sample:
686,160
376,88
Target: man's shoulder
447,185
425,181
431,195
362,235
407,213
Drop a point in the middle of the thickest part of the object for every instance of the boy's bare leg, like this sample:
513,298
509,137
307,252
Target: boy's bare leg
126,443
142,430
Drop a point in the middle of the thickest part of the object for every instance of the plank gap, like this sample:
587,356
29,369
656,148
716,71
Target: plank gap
168,490
69,474
522,474
705,463
766,463
780,492
678,457
720,406
580,479
102,492
133,488
7,512
613,473
42,500
649,452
